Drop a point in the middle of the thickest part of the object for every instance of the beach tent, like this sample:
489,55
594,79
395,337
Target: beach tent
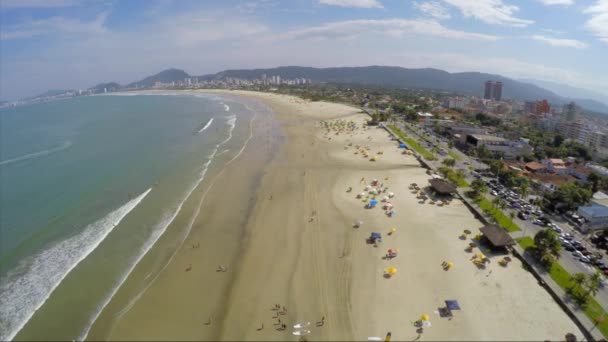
452,304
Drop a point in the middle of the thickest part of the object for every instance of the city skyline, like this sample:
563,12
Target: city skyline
75,44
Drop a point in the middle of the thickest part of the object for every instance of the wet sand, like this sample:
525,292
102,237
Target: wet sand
287,238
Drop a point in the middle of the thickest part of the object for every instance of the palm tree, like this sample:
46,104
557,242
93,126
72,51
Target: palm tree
478,186
593,283
548,246
496,202
449,162
578,280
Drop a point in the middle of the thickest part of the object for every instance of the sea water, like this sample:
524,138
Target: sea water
87,188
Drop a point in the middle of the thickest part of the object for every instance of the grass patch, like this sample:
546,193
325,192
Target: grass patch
501,219
454,156
457,178
593,309
413,144
525,242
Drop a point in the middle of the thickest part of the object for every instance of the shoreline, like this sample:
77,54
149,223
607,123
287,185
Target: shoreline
296,246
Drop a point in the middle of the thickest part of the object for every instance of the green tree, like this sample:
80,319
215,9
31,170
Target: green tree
578,280
593,283
496,202
558,140
570,196
547,247
524,188
449,162
450,144
496,166
478,187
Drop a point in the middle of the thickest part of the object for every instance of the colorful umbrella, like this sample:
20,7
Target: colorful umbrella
424,317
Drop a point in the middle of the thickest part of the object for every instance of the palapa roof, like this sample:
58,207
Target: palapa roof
497,236
442,186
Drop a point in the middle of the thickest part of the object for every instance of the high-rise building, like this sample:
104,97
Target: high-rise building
487,94
497,91
570,111
542,107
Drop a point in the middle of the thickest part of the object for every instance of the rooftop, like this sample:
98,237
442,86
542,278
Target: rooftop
594,210
485,137
442,186
497,236
535,166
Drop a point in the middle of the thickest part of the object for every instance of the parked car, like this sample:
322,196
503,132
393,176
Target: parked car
522,215
577,254
585,260
569,248
538,222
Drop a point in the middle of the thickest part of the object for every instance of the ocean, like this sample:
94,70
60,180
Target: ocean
89,186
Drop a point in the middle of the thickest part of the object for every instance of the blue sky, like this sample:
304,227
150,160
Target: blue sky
57,44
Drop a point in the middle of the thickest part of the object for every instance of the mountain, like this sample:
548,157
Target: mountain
569,91
50,93
467,83
110,86
165,76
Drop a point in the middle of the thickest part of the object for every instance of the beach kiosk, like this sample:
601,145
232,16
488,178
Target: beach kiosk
496,238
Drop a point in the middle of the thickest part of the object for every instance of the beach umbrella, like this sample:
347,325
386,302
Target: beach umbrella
449,265
452,304
391,194
373,202
385,198
393,230
390,271
570,337
358,223
481,256
426,324
466,231
424,317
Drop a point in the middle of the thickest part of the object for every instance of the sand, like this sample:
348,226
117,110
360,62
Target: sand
296,246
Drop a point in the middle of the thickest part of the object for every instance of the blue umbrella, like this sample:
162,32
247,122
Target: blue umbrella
373,202
402,146
452,304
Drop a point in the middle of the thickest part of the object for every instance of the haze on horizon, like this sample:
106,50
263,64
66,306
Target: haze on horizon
75,44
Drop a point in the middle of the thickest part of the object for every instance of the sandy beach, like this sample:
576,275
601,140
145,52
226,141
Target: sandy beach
293,243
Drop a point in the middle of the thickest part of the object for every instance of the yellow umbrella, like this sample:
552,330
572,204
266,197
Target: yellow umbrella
390,270
393,230
450,264
480,255
424,317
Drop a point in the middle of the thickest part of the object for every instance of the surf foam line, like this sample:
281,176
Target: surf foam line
206,125
226,107
154,238
65,145
136,298
157,233
27,287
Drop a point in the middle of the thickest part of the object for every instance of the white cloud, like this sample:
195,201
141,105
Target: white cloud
7,4
490,11
352,3
433,8
391,27
598,23
54,25
559,42
557,2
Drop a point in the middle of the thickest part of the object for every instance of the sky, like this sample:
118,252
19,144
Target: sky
75,44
